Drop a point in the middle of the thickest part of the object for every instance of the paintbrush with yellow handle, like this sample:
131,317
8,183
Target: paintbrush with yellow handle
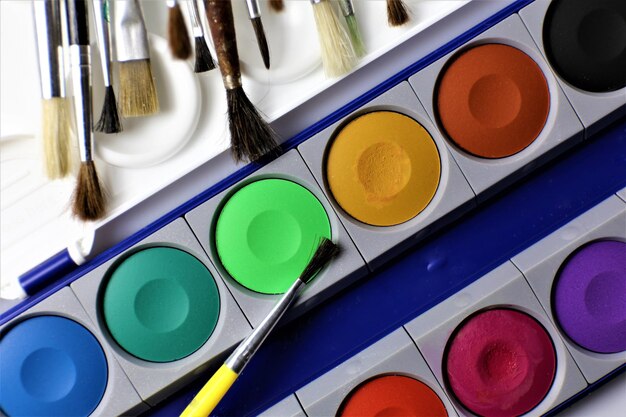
213,391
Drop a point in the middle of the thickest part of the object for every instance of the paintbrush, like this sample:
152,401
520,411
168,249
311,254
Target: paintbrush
109,118
177,35
251,136
347,8
277,5
338,56
89,200
219,384
397,13
138,95
56,114
204,60
255,18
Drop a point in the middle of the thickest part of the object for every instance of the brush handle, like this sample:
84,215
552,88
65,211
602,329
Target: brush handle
211,393
102,16
194,19
131,36
240,357
220,16
50,47
77,22
254,11
80,63
347,7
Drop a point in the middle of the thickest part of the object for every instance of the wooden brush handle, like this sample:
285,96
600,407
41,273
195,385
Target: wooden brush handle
77,22
220,16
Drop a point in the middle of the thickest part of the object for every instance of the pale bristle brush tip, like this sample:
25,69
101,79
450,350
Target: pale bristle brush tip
397,12
56,131
109,117
138,93
347,9
89,198
338,56
57,136
204,60
177,35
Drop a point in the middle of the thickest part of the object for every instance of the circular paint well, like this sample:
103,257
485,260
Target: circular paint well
55,367
383,168
161,304
267,232
500,363
393,396
590,297
585,42
492,100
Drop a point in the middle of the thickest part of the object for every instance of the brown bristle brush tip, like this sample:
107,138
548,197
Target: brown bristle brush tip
89,202
397,12
178,37
277,5
109,118
251,136
138,95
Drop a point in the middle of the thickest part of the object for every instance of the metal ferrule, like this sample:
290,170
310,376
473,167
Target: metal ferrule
316,1
131,37
103,30
170,3
80,63
194,19
238,360
347,7
253,8
50,47
231,82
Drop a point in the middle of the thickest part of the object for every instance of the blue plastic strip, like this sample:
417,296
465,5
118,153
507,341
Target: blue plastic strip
430,273
73,273
47,272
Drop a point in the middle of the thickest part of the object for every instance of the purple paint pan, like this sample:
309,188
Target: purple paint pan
590,297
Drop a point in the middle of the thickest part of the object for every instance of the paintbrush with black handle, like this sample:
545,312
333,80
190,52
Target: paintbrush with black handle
89,198
204,60
251,136
254,11
109,118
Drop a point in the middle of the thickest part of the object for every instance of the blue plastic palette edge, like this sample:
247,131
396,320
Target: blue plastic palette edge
61,264
445,263
298,353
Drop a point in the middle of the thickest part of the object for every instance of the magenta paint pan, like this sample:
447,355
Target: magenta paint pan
494,349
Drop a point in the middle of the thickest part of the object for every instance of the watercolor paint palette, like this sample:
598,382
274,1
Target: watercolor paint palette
383,175
189,132
479,351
